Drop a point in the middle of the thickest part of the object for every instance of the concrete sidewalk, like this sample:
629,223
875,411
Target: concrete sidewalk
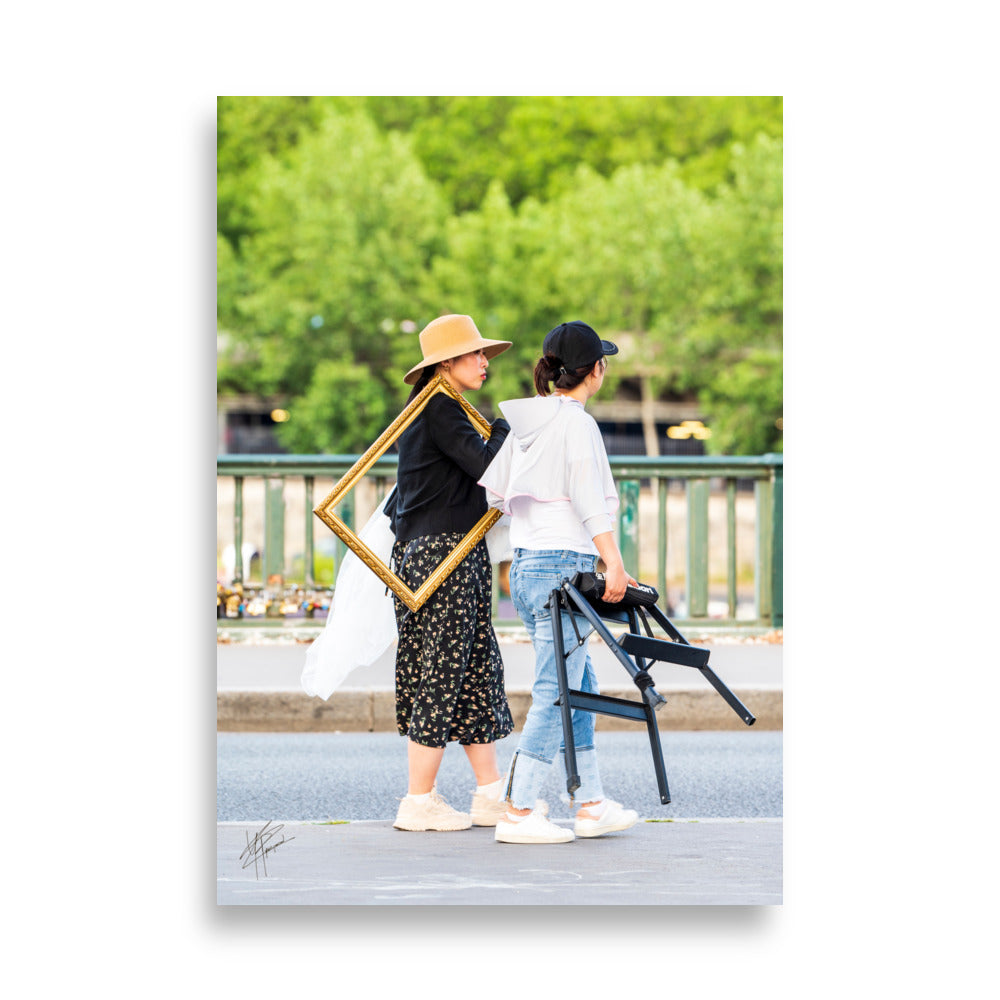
694,862
736,862
259,688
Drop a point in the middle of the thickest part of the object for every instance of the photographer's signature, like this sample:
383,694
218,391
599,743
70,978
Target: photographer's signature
262,844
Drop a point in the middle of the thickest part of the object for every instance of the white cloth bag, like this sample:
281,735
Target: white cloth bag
361,624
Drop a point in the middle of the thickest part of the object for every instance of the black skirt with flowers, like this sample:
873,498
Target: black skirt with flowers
449,674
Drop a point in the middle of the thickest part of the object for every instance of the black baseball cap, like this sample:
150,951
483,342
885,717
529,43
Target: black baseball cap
576,345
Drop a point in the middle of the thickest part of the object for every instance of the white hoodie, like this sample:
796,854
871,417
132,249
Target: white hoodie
552,475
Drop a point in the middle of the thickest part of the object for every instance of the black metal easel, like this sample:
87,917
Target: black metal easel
635,652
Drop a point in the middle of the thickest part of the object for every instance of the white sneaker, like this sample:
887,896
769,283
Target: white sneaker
487,811
613,818
432,813
533,829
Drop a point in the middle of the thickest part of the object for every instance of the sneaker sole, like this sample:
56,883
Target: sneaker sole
487,819
509,838
607,829
431,829
484,820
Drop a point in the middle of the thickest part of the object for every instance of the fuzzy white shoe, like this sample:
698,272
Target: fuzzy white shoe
432,813
486,811
613,818
533,829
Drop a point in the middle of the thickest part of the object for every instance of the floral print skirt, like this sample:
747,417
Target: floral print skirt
449,674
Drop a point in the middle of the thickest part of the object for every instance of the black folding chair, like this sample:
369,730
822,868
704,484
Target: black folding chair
635,651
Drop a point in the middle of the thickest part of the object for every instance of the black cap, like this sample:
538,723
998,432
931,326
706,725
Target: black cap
576,345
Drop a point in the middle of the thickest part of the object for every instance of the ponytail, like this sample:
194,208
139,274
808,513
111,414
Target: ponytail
550,369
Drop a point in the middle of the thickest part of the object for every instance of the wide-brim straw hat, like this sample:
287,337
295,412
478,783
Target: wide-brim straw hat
449,337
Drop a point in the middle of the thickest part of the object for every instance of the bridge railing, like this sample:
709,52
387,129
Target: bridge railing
684,523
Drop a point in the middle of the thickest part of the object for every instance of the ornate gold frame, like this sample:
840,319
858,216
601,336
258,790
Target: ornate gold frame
324,511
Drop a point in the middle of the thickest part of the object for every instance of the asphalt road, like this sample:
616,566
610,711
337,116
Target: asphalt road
361,776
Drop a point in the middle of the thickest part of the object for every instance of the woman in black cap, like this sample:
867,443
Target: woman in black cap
449,674
553,477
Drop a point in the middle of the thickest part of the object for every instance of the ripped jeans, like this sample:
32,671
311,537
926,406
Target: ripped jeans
533,576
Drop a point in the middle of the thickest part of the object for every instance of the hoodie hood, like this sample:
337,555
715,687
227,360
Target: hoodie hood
529,417
554,451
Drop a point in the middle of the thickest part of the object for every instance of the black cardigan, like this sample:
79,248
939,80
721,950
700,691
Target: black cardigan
441,458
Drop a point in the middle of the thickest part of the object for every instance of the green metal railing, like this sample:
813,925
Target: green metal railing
700,475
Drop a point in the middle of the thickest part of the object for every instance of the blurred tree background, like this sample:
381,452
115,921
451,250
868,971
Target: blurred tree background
345,224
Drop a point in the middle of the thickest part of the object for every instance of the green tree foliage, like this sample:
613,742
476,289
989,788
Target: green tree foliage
625,255
248,130
735,340
344,227
742,400
534,145
495,269
342,411
689,285
347,223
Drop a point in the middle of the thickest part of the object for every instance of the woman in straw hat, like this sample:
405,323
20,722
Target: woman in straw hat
553,477
449,674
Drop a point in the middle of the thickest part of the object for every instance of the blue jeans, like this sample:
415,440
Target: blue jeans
533,577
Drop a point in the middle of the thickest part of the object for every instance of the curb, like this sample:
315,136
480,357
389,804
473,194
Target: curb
373,711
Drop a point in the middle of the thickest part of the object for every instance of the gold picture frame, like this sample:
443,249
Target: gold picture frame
324,510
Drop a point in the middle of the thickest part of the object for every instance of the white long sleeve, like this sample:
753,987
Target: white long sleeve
552,476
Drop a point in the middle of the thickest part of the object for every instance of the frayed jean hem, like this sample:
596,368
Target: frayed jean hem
528,773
